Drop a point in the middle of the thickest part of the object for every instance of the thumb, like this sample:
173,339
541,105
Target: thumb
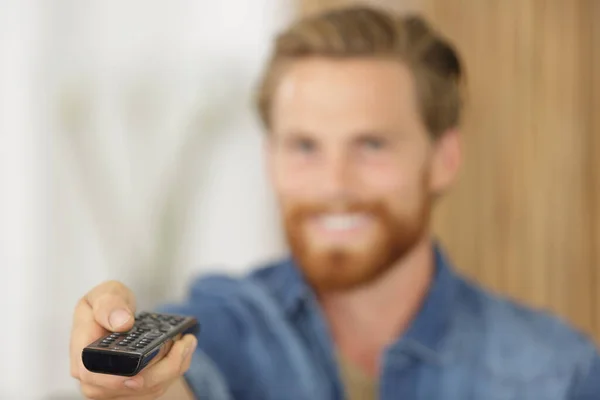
119,318
113,307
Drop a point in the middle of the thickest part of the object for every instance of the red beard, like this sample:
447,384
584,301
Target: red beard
337,269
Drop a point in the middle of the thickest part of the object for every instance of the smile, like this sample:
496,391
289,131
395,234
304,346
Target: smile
342,222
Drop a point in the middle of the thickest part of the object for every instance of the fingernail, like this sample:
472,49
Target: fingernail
131,384
118,318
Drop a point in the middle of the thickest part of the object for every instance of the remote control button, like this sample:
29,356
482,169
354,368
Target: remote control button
153,336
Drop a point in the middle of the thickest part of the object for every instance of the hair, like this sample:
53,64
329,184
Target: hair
362,31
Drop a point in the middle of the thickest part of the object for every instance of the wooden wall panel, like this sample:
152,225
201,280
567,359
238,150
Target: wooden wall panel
524,219
594,156
527,148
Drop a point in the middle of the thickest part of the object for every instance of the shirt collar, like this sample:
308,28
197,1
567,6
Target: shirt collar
424,337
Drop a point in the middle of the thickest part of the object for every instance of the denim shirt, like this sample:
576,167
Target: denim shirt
263,337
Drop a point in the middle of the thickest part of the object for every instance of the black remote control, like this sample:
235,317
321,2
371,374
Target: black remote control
127,353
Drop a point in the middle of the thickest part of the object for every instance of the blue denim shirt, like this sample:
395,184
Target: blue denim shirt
263,337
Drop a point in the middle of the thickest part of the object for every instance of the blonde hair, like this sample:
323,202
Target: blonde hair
361,31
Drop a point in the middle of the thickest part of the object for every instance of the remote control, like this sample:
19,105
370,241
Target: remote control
127,353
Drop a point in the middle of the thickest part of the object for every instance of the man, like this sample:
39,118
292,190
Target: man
362,113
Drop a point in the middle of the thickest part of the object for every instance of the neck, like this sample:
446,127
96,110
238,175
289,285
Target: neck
365,320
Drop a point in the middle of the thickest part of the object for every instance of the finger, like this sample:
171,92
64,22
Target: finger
187,363
164,350
98,393
152,396
113,383
101,393
113,305
171,365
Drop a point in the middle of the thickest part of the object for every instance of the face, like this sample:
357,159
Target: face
353,167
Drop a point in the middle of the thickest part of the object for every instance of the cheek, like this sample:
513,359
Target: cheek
400,187
384,179
291,180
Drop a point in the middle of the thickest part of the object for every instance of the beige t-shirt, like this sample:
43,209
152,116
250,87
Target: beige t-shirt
357,384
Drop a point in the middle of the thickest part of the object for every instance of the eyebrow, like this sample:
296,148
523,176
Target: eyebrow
356,134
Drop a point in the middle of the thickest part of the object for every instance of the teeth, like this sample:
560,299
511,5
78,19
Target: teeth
342,222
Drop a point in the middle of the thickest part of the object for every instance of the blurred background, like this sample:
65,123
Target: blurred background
129,150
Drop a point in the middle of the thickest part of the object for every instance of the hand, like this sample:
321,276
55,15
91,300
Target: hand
110,307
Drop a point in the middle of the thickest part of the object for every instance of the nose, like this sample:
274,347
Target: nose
336,177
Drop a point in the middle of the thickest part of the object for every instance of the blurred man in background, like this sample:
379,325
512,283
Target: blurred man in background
362,113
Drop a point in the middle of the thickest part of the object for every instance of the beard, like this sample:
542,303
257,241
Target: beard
341,268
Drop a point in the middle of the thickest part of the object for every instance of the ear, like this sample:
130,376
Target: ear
446,161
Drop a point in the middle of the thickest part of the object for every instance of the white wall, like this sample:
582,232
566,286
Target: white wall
22,294
128,151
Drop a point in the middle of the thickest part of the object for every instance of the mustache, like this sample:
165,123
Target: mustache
312,209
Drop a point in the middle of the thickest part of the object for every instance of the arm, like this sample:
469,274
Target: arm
217,354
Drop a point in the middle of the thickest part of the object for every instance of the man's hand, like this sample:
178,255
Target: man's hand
110,307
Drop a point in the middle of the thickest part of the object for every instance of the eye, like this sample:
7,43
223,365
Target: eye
373,143
303,145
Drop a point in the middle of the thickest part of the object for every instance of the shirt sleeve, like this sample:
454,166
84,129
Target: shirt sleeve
587,386
207,376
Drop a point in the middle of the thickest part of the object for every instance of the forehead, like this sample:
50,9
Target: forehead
327,94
